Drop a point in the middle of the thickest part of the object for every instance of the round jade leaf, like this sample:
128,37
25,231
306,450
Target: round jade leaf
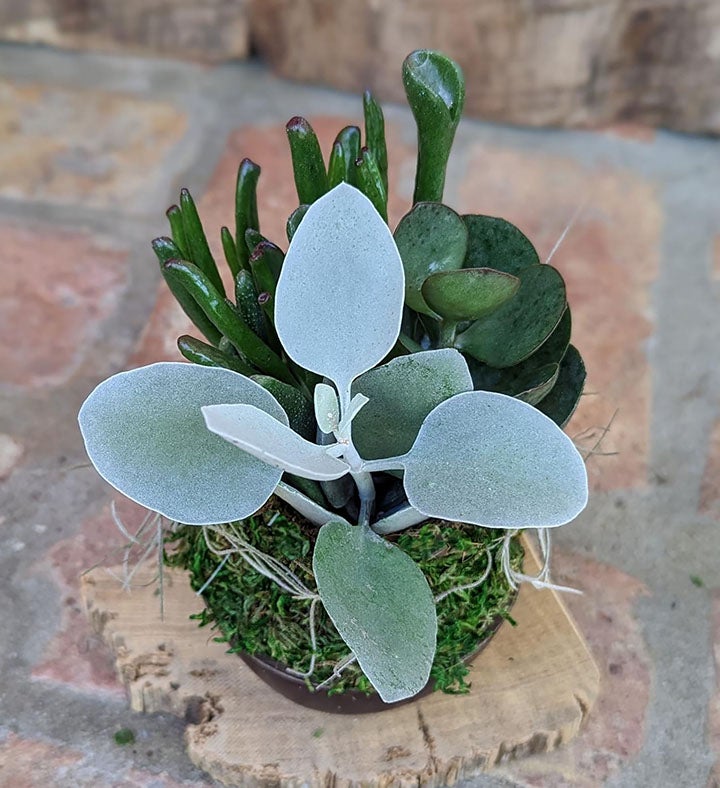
516,329
496,243
562,400
494,461
469,293
145,434
431,238
339,298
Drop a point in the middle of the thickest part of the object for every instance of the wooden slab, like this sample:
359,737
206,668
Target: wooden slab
532,687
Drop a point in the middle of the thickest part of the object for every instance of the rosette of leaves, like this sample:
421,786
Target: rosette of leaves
474,283
204,445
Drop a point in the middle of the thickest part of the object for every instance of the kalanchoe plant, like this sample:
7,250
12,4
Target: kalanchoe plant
370,380
475,457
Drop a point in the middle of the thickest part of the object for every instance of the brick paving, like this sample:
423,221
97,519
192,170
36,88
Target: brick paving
94,148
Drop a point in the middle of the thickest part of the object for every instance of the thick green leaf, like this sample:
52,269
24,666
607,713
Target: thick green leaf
381,604
229,250
513,332
338,303
435,89
246,212
166,249
298,409
145,434
308,165
431,238
401,394
536,387
201,353
198,247
228,320
295,218
370,182
259,434
375,134
177,230
495,243
513,380
469,293
561,402
494,461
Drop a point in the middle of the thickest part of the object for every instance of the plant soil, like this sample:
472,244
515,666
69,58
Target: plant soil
254,614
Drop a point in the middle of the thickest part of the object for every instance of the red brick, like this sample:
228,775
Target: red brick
714,707
27,763
710,485
615,729
75,655
609,260
56,288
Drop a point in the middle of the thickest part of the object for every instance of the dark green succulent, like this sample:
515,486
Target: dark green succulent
473,282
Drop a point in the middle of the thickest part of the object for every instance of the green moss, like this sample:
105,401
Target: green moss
256,616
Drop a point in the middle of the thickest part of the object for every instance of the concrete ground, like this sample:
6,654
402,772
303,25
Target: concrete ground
94,148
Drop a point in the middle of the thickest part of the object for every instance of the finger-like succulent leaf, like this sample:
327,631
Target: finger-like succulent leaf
513,332
431,238
495,243
298,409
259,434
381,605
469,293
338,303
561,402
513,380
304,505
145,434
494,461
435,90
401,394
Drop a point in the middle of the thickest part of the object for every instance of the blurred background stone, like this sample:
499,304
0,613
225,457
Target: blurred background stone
532,62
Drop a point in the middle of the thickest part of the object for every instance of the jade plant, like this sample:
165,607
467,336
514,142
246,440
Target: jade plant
371,380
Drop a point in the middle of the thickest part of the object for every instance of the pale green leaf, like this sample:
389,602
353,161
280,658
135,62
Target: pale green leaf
327,408
431,238
257,433
495,461
339,298
381,604
401,394
145,434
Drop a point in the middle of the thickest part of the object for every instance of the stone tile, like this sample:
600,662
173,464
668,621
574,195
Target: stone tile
11,451
75,656
277,198
609,260
710,485
82,146
615,729
27,763
57,288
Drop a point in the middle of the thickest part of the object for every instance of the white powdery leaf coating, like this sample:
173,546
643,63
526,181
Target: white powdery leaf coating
145,434
259,434
339,298
495,461
381,604
327,408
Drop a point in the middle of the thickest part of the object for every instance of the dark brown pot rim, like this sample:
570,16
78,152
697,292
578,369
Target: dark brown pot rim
294,688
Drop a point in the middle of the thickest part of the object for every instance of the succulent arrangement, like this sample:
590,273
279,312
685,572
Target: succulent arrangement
372,380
